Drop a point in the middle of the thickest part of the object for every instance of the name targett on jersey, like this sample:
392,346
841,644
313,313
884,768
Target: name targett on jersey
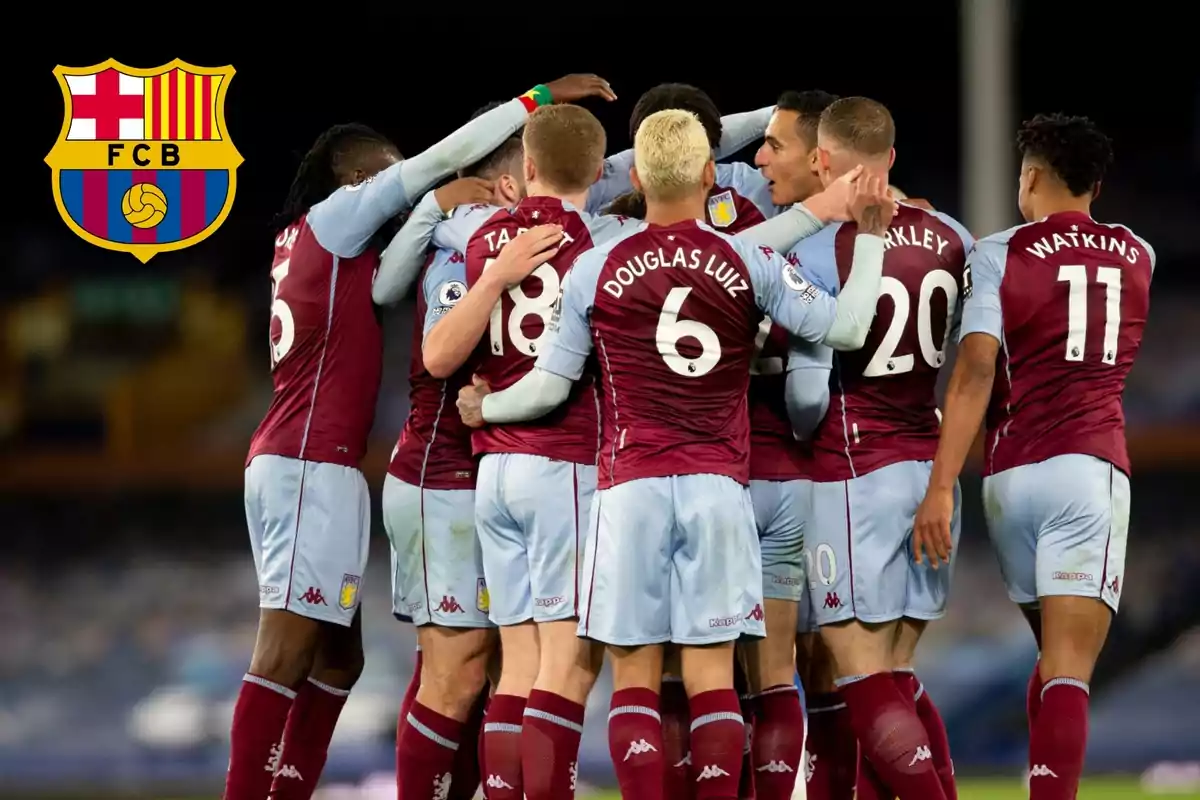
725,274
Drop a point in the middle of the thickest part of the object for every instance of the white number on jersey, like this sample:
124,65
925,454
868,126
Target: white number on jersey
823,567
523,306
1077,314
671,329
281,311
760,365
885,361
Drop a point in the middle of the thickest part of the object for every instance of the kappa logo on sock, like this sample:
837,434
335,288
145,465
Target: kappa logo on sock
686,761
775,766
496,782
711,771
441,787
574,774
288,771
810,767
1042,771
922,754
639,747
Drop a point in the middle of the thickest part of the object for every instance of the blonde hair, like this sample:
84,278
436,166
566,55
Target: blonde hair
859,124
670,151
566,144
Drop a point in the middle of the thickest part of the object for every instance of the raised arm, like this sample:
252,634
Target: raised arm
404,256
782,232
739,130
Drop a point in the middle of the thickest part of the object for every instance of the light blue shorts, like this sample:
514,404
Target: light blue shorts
531,513
861,548
780,511
1060,527
310,526
437,570
672,559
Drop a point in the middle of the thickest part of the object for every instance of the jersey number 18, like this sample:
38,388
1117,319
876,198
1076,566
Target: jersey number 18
523,306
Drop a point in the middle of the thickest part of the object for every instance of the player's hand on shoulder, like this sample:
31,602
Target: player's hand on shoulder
931,529
526,253
570,88
470,402
832,204
463,192
871,203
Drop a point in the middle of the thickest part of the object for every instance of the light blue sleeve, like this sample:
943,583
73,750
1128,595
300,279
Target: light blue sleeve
571,334
405,255
750,184
456,231
815,259
968,241
784,295
807,397
344,222
606,227
613,182
982,277
739,130
444,286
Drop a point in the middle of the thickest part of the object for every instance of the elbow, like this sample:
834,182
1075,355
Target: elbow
437,367
844,341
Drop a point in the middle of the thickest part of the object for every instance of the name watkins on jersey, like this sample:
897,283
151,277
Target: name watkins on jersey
715,267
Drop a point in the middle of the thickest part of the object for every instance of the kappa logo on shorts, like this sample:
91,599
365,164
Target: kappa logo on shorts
483,600
348,593
832,600
313,597
756,613
450,605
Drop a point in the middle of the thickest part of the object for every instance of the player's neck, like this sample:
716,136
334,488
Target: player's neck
578,199
672,212
1060,202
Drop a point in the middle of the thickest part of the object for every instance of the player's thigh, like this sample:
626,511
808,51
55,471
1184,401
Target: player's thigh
716,566
858,537
443,583
552,502
502,541
312,522
929,588
402,522
780,509
625,597
1085,523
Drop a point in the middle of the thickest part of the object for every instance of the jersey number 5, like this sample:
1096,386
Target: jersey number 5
280,311
1077,312
885,361
523,306
671,329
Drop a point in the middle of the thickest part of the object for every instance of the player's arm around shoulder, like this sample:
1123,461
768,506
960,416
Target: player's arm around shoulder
739,130
403,257
344,222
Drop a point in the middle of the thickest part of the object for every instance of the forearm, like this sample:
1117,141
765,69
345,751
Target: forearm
739,130
450,342
403,258
807,396
464,147
781,232
538,393
966,403
859,296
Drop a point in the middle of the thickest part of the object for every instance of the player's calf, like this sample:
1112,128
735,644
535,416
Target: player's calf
718,732
634,722
777,743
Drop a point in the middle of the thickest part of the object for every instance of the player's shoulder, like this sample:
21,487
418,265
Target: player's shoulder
625,231
479,214
1134,239
731,173
925,216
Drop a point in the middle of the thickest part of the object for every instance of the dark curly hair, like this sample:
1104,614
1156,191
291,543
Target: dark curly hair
631,204
1073,147
317,176
682,96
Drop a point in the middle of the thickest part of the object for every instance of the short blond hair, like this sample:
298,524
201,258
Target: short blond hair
566,144
670,151
859,124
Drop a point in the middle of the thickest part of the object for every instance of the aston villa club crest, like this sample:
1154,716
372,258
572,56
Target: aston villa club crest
722,211
348,592
144,163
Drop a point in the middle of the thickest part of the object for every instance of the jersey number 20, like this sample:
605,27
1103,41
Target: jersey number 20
885,361
523,306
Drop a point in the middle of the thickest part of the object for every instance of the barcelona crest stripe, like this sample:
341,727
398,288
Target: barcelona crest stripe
194,199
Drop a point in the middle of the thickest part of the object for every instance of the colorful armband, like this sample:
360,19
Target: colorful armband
536,97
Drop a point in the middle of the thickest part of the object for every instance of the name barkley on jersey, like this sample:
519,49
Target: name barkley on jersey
915,236
728,276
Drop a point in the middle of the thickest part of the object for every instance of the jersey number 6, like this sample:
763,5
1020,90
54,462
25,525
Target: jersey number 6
671,329
282,312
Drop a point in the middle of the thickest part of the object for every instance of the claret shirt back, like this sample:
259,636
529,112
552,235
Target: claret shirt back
672,314
1068,298
882,407
519,327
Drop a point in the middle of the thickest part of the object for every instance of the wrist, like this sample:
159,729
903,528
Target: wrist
820,207
536,97
483,407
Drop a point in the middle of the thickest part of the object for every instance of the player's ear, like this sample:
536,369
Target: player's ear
891,157
530,170
633,179
710,174
1096,190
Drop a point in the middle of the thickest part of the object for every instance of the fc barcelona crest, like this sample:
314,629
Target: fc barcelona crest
144,163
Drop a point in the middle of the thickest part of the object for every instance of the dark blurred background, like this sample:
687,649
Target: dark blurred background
128,392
